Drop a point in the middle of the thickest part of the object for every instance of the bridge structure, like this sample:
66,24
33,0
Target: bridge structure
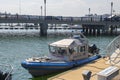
90,25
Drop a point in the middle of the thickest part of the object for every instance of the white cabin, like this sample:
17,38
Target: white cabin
69,49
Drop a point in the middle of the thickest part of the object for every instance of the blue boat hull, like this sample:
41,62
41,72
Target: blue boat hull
43,68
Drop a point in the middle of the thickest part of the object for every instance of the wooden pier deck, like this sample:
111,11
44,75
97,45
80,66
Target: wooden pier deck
76,73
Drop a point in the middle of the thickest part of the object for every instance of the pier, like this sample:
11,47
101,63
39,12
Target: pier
91,25
76,73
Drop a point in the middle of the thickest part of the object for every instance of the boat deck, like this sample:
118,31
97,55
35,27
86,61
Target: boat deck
76,73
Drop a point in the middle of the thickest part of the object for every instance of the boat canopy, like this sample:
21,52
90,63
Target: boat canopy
71,43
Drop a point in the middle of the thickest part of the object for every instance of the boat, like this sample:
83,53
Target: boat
64,54
6,72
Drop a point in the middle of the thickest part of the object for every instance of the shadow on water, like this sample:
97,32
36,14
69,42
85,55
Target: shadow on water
45,77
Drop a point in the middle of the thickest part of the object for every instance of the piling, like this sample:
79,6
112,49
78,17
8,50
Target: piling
43,29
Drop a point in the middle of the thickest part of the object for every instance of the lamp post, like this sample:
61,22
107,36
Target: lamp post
111,8
41,10
89,11
44,9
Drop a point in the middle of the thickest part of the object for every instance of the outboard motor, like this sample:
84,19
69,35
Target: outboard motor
93,49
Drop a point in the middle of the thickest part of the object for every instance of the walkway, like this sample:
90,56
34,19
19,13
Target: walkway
76,74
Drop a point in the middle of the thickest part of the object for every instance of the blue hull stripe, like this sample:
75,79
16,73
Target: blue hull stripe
54,66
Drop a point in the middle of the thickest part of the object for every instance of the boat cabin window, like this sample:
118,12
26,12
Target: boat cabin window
52,49
77,49
58,50
73,50
62,51
82,49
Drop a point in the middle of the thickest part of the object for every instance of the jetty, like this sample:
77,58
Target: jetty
76,73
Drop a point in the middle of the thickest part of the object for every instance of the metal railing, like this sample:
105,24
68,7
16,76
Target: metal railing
115,44
5,68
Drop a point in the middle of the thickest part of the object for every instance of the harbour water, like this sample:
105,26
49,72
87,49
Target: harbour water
14,49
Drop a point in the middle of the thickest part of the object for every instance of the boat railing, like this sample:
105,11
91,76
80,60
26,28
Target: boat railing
83,38
113,45
6,69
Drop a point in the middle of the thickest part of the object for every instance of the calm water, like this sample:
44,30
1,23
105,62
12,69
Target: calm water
13,50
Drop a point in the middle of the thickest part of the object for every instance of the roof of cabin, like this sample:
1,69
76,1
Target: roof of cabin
67,43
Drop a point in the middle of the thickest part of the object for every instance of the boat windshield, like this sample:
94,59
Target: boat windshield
58,50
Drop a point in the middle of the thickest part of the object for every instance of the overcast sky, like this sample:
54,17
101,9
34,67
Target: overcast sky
59,7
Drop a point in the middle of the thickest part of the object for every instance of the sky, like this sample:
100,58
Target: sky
59,7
